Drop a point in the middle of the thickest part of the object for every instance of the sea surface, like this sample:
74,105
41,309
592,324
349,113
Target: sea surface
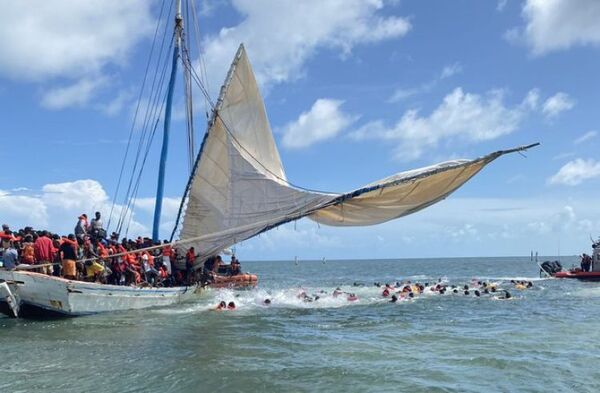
546,339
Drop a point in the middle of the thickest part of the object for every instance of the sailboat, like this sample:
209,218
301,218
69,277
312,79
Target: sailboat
238,189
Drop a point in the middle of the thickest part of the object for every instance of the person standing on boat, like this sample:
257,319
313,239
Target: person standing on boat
96,230
68,255
10,256
190,260
6,235
43,251
81,228
167,252
27,251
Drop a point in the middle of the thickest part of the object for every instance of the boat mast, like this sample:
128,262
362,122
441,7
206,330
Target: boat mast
167,124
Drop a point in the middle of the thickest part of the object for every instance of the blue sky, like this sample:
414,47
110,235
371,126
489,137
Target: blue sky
355,91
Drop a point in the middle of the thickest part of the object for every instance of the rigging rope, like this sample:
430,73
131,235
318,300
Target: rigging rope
136,113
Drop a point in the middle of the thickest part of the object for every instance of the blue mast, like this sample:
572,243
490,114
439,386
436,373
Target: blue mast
167,125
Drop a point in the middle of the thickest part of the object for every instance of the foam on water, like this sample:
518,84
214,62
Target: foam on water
322,297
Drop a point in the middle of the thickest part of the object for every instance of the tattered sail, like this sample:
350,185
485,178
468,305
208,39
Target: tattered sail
238,187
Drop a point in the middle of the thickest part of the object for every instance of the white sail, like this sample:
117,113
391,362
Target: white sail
238,187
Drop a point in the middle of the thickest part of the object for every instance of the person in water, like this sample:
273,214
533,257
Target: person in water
221,306
267,302
394,299
231,306
505,296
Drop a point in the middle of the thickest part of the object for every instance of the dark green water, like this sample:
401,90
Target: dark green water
546,339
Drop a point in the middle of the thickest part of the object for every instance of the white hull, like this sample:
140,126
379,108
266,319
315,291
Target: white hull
54,295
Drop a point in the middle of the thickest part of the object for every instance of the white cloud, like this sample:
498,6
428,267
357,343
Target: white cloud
501,4
69,42
532,99
586,137
575,172
58,205
557,104
463,116
466,116
451,70
77,94
404,93
323,121
281,36
69,39
116,105
553,25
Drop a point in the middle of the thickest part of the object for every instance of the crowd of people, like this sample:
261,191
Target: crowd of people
89,254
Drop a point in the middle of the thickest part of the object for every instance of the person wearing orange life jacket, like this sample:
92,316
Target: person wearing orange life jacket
190,259
27,251
167,253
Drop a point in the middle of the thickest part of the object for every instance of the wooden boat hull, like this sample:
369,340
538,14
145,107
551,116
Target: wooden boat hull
43,295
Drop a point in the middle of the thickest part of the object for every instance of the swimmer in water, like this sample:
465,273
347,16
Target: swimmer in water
352,297
337,292
505,296
477,293
529,284
267,302
411,295
394,299
455,290
231,306
221,306
466,292
385,293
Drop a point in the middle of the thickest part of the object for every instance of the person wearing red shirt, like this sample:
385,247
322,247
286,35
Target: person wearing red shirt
43,250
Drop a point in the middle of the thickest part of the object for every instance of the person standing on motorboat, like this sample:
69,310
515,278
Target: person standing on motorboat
586,263
235,266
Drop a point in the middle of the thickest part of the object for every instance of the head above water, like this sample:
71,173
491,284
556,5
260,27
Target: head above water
267,301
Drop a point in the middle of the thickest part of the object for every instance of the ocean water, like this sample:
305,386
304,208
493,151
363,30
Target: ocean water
546,339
